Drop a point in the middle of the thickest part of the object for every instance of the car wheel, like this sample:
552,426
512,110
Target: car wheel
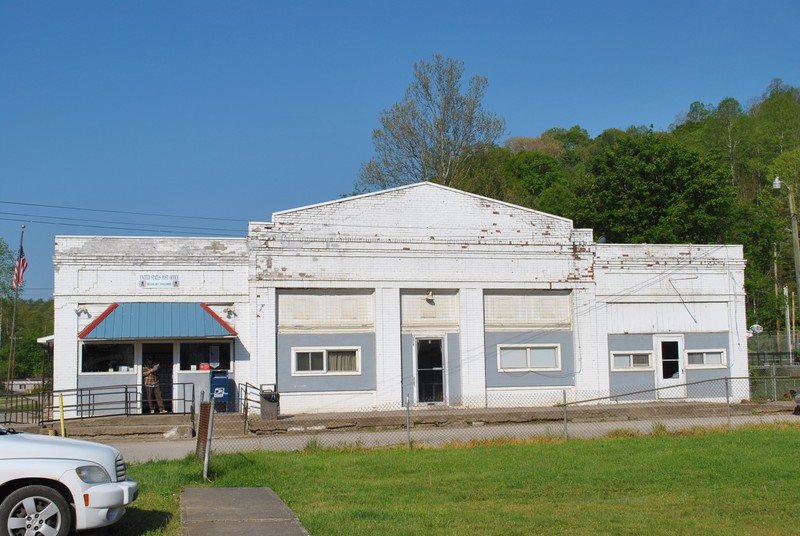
35,510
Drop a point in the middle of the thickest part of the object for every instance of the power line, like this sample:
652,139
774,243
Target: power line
116,222
120,212
144,230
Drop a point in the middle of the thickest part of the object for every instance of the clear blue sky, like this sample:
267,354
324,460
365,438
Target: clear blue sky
239,109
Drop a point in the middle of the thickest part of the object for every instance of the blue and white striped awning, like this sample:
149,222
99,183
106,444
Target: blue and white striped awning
157,320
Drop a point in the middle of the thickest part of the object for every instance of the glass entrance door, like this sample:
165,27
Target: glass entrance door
160,354
430,371
670,373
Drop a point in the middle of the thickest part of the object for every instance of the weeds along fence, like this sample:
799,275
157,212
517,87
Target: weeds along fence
557,415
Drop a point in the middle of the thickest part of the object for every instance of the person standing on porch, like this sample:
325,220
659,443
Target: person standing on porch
151,387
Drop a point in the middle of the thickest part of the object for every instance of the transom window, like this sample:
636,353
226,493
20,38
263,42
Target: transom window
515,310
317,361
517,358
631,360
706,358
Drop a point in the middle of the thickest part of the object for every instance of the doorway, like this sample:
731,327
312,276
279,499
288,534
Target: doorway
670,373
160,354
430,371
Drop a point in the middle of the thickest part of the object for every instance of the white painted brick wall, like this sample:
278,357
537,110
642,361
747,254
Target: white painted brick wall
266,321
428,208
387,346
473,361
94,272
420,237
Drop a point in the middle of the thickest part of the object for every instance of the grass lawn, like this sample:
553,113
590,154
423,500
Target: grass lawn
709,482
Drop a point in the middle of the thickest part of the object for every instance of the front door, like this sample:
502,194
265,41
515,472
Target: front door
430,371
161,355
670,374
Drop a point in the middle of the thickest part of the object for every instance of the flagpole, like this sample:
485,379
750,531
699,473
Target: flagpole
17,284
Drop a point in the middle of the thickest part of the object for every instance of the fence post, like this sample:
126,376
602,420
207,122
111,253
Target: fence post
408,423
207,455
246,409
774,385
566,434
728,398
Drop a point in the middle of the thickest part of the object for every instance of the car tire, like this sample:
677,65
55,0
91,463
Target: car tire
35,506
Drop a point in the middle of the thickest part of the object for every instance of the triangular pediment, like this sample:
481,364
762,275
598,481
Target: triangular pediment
424,210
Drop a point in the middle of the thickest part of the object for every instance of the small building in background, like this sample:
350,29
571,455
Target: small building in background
26,386
419,295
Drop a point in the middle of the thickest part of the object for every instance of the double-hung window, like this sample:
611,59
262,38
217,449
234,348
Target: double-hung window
522,358
320,361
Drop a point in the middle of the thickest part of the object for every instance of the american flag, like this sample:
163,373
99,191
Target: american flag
19,268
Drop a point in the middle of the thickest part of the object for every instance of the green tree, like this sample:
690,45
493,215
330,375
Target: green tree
543,144
34,319
489,176
572,138
698,112
787,167
6,271
536,171
431,134
778,122
6,304
758,227
649,188
726,126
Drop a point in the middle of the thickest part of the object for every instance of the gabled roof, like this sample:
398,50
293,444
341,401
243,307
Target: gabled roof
423,208
424,188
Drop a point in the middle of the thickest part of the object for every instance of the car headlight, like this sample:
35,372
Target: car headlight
92,474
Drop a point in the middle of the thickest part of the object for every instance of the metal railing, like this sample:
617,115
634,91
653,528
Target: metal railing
760,359
18,408
88,402
249,398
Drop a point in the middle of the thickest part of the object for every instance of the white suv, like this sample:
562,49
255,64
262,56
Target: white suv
52,485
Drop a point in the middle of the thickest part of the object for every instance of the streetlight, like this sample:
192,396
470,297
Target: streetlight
776,185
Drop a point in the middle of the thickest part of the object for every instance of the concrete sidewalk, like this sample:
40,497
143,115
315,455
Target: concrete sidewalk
214,511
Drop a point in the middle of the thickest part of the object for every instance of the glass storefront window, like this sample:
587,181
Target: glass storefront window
205,355
107,357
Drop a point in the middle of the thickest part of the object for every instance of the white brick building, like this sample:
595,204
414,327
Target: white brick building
422,294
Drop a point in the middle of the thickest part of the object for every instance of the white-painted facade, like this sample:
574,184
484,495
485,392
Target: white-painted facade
422,294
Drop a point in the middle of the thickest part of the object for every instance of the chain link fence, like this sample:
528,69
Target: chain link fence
555,414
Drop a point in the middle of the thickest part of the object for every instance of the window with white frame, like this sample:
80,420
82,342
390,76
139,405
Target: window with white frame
631,360
519,358
320,361
705,358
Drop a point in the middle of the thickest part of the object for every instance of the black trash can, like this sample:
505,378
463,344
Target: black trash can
270,405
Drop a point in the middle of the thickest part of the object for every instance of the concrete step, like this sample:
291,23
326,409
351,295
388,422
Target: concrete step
132,427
